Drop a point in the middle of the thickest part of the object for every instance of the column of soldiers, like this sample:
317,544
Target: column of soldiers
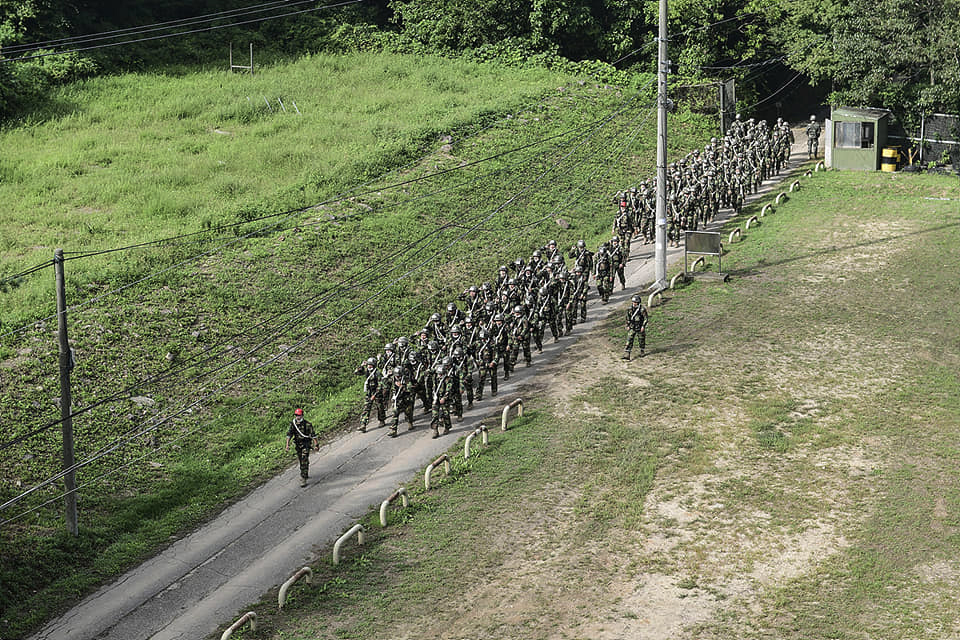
702,182
459,355
507,317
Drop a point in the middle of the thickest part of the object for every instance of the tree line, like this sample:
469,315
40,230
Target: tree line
898,54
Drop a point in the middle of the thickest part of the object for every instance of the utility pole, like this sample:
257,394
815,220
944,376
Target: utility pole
660,255
66,366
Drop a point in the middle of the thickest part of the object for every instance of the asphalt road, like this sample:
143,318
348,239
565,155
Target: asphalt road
203,581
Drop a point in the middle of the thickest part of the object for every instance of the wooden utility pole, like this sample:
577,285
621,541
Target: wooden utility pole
66,366
660,255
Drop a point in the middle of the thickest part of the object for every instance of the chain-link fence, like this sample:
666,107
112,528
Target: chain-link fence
936,142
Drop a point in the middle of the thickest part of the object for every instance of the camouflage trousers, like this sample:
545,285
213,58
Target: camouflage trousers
302,446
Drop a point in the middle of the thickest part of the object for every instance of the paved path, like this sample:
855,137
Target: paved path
203,581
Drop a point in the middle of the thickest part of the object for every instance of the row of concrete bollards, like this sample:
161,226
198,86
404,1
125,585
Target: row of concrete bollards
767,209
358,528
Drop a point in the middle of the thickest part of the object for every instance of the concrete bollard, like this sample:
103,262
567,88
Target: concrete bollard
656,294
282,596
249,615
445,459
482,431
767,208
355,529
506,410
751,219
735,232
780,196
399,493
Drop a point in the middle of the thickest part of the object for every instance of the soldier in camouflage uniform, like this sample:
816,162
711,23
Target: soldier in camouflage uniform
637,326
401,399
464,365
618,260
372,393
487,361
418,376
520,332
813,137
442,397
604,275
302,434
501,338
581,289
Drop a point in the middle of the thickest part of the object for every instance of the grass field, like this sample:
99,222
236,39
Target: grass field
191,352
782,464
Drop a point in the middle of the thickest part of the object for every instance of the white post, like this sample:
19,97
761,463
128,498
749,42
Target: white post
664,66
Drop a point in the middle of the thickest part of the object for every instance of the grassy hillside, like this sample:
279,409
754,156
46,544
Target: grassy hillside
782,464
190,352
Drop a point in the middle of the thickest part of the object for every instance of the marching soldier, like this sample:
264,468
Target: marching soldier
302,435
402,399
637,326
521,336
372,393
604,275
442,396
618,259
486,358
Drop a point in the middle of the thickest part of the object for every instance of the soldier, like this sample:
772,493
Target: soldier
472,299
550,251
402,399
565,304
547,313
464,365
581,289
442,396
501,339
486,359
418,375
454,315
604,275
618,260
582,257
636,325
520,333
302,434
436,329
372,393
813,137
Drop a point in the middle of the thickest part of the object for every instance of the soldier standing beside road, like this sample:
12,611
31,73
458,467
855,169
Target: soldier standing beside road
813,137
637,325
302,434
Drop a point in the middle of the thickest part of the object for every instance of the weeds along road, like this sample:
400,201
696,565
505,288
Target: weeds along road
201,582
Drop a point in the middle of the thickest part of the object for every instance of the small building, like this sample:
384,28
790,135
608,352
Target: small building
856,137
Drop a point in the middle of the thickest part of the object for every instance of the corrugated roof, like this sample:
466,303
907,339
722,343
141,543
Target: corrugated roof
859,112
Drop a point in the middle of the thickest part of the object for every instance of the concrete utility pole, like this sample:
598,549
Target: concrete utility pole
66,366
660,256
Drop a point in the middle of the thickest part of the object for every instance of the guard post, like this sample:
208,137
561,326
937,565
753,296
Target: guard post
703,243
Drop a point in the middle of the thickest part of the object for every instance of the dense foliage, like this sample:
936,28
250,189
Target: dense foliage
899,54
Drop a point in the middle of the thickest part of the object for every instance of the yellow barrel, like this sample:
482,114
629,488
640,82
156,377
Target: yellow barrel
891,159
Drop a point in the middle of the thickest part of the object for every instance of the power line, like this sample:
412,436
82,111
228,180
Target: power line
182,33
295,346
103,35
